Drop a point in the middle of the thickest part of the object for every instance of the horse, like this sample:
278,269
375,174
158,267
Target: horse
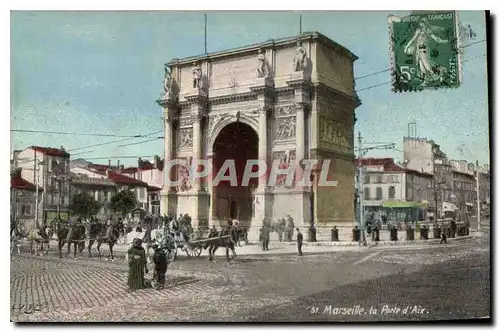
241,235
15,240
36,236
101,234
73,235
50,233
218,241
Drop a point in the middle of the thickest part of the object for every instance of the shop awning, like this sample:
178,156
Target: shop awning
397,204
447,206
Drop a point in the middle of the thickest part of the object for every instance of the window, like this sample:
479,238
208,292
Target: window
367,179
378,194
367,194
392,192
26,210
141,193
378,178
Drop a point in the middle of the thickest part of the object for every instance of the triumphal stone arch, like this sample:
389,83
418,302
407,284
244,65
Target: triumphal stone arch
288,100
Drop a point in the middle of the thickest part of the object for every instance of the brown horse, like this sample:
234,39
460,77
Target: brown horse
217,241
73,235
103,234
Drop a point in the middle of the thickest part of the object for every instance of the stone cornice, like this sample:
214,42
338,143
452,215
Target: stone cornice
325,153
233,98
345,99
199,100
284,90
167,103
253,49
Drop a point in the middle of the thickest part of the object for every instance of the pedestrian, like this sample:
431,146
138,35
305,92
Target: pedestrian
443,235
300,240
137,265
161,264
265,237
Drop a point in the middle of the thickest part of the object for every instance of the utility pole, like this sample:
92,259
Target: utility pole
36,191
361,153
360,188
300,25
478,201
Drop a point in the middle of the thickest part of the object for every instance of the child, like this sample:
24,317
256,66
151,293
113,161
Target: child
161,263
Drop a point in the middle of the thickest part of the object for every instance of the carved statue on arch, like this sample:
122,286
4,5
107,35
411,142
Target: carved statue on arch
263,70
300,59
184,172
168,85
197,77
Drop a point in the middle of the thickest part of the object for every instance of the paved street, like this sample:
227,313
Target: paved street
447,282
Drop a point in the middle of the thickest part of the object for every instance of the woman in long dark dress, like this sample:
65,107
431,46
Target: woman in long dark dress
137,265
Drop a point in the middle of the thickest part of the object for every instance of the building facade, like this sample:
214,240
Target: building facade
49,169
103,182
392,193
150,172
286,100
23,202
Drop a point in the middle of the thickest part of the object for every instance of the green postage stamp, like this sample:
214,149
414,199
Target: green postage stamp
424,51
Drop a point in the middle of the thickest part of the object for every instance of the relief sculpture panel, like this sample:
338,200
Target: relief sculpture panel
214,121
186,122
285,111
285,129
230,73
334,136
186,138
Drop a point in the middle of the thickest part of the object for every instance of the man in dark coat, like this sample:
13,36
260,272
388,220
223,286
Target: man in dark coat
266,230
161,263
137,265
300,240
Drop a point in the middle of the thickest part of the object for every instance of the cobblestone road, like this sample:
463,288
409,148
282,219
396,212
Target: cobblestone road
257,288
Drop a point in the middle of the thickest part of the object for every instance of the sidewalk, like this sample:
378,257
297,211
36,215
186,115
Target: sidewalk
281,248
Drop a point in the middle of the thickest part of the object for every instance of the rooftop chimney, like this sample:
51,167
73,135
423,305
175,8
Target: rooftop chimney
139,162
118,164
62,148
109,162
156,161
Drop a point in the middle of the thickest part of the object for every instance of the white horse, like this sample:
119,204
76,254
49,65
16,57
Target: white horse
15,242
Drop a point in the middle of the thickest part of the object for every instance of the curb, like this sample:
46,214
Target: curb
369,242
347,246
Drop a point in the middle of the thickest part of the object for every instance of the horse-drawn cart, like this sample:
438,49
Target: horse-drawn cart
194,248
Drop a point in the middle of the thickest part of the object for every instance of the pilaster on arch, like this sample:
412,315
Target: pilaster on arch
214,133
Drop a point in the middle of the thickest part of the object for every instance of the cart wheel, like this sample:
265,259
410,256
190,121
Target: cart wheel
193,251
172,254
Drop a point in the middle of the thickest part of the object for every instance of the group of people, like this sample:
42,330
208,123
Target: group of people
137,266
283,227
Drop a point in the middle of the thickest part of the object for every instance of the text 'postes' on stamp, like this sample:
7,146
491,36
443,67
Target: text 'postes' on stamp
424,50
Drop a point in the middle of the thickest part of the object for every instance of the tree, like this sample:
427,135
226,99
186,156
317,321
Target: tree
84,205
123,202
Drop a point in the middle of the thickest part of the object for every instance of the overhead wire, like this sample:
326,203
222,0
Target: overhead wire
130,137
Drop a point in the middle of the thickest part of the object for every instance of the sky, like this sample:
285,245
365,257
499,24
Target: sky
101,72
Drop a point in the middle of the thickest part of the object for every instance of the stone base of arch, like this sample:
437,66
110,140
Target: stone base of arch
196,205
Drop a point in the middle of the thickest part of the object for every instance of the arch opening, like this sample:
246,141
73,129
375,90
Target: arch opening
239,142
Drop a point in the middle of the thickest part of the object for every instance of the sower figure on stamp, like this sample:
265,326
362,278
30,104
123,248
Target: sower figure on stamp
161,264
300,240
